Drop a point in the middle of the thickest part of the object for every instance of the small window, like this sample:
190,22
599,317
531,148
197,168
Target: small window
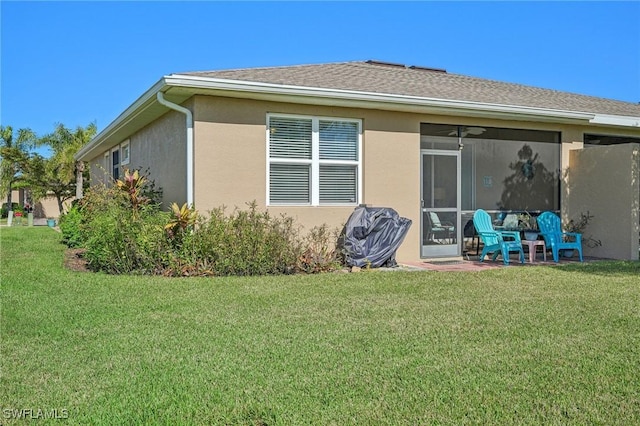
313,160
124,152
115,163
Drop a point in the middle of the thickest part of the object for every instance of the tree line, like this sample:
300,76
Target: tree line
21,167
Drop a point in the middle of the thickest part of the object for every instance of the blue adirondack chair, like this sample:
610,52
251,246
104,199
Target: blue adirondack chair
555,239
496,242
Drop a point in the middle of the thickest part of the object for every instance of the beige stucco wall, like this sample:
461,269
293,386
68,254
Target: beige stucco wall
159,151
48,207
572,139
97,171
231,165
605,181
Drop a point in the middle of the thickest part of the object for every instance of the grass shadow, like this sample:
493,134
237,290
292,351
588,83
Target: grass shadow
603,267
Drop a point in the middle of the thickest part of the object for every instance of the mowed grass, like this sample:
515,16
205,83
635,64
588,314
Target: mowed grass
536,345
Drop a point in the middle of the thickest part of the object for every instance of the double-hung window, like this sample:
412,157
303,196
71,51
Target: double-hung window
313,160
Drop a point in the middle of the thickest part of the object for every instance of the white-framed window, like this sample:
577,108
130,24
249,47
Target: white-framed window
115,158
115,163
313,160
124,152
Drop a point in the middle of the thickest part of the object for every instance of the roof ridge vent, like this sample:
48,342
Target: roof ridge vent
397,65
418,67
384,63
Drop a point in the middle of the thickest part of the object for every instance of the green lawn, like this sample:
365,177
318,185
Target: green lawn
535,345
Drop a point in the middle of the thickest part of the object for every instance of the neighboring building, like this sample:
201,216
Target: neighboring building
314,141
46,207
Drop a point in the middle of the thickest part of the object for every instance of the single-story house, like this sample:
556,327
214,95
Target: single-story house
315,141
43,208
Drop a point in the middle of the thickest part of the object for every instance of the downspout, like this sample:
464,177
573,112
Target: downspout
189,118
79,180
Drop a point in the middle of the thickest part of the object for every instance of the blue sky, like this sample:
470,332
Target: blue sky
81,62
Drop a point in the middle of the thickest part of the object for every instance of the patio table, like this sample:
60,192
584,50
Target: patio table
532,244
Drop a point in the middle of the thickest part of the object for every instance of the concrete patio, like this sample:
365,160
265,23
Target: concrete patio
474,265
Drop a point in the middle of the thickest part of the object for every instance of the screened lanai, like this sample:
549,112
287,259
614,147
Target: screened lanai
506,172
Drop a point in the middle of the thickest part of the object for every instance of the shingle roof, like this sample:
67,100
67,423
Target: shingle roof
425,83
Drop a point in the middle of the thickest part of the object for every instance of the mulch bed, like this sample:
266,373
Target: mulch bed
75,261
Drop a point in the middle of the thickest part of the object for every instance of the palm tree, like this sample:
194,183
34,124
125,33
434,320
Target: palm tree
57,174
14,155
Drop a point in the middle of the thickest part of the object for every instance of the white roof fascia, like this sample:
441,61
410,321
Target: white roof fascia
616,120
258,87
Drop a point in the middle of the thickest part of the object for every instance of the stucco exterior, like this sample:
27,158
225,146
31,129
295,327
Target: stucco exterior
159,151
605,181
160,148
230,164
48,207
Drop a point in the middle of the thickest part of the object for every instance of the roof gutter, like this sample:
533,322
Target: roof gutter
616,120
189,120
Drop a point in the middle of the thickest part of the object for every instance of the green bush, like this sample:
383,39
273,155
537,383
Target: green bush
70,224
123,231
120,233
121,227
121,242
246,242
253,242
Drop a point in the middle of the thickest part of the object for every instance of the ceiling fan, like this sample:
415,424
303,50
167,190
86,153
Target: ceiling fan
464,131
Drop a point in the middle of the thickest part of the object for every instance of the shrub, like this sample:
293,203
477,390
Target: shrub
122,227
124,231
321,253
121,242
182,221
246,242
70,224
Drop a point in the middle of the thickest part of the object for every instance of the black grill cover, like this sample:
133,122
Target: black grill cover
372,236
